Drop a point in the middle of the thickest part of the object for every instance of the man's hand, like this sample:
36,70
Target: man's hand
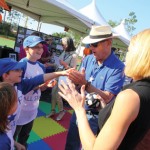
77,77
51,83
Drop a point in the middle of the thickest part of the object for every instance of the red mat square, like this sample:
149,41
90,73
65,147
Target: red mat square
57,142
65,122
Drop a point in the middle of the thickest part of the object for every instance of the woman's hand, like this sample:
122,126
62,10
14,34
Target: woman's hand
70,94
63,63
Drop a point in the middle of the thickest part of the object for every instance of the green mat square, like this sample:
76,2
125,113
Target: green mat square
45,127
46,107
33,137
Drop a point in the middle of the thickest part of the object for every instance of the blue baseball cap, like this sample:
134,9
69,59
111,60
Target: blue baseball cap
32,40
8,64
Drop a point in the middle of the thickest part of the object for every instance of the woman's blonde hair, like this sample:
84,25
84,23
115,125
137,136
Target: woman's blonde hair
138,56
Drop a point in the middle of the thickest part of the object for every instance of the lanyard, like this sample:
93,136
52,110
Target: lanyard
95,71
66,56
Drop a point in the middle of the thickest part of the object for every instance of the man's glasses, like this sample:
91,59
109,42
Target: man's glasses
96,44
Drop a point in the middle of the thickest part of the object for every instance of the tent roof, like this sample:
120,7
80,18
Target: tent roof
94,13
53,12
123,39
121,30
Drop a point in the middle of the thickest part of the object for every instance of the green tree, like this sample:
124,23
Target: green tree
61,34
75,36
113,23
130,22
14,18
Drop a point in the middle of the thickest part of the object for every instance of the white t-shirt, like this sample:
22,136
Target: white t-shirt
30,103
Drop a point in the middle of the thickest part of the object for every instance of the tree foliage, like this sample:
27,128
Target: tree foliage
129,22
75,36
6,30
113,23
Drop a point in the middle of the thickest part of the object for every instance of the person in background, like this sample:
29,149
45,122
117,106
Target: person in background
50,66
102,72
68,59
49,42
45,55
8,105
87,50
22,52
128,124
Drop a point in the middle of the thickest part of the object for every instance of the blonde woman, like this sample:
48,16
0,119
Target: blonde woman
127,126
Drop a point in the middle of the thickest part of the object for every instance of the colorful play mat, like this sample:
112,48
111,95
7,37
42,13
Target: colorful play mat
47,133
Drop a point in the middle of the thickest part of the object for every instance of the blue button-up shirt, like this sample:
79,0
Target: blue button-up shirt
108,76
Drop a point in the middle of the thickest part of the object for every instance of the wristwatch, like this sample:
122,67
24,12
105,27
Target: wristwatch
87,85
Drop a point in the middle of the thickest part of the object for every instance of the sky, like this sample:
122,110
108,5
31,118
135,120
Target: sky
113,10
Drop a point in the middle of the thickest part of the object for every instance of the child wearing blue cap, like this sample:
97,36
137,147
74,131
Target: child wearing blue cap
11,72
33,45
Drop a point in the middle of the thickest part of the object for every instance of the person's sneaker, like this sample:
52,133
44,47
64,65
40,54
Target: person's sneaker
60,115
52,113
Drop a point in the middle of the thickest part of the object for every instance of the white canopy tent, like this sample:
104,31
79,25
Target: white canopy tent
93,13
121,30
124,38
53,12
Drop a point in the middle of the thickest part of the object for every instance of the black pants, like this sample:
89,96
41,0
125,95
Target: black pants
22,133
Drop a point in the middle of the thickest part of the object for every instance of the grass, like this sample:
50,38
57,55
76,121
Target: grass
7,42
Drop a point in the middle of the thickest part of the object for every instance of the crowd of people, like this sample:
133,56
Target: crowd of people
121,120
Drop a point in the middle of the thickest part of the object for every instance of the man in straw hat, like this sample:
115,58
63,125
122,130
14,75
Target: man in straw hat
101,72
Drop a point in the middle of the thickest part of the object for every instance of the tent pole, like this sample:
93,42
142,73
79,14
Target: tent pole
26,21
40,26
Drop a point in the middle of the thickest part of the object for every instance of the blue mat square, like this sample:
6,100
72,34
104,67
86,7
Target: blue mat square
39,145
40,113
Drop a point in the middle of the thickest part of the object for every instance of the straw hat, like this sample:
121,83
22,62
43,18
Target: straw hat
98,33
